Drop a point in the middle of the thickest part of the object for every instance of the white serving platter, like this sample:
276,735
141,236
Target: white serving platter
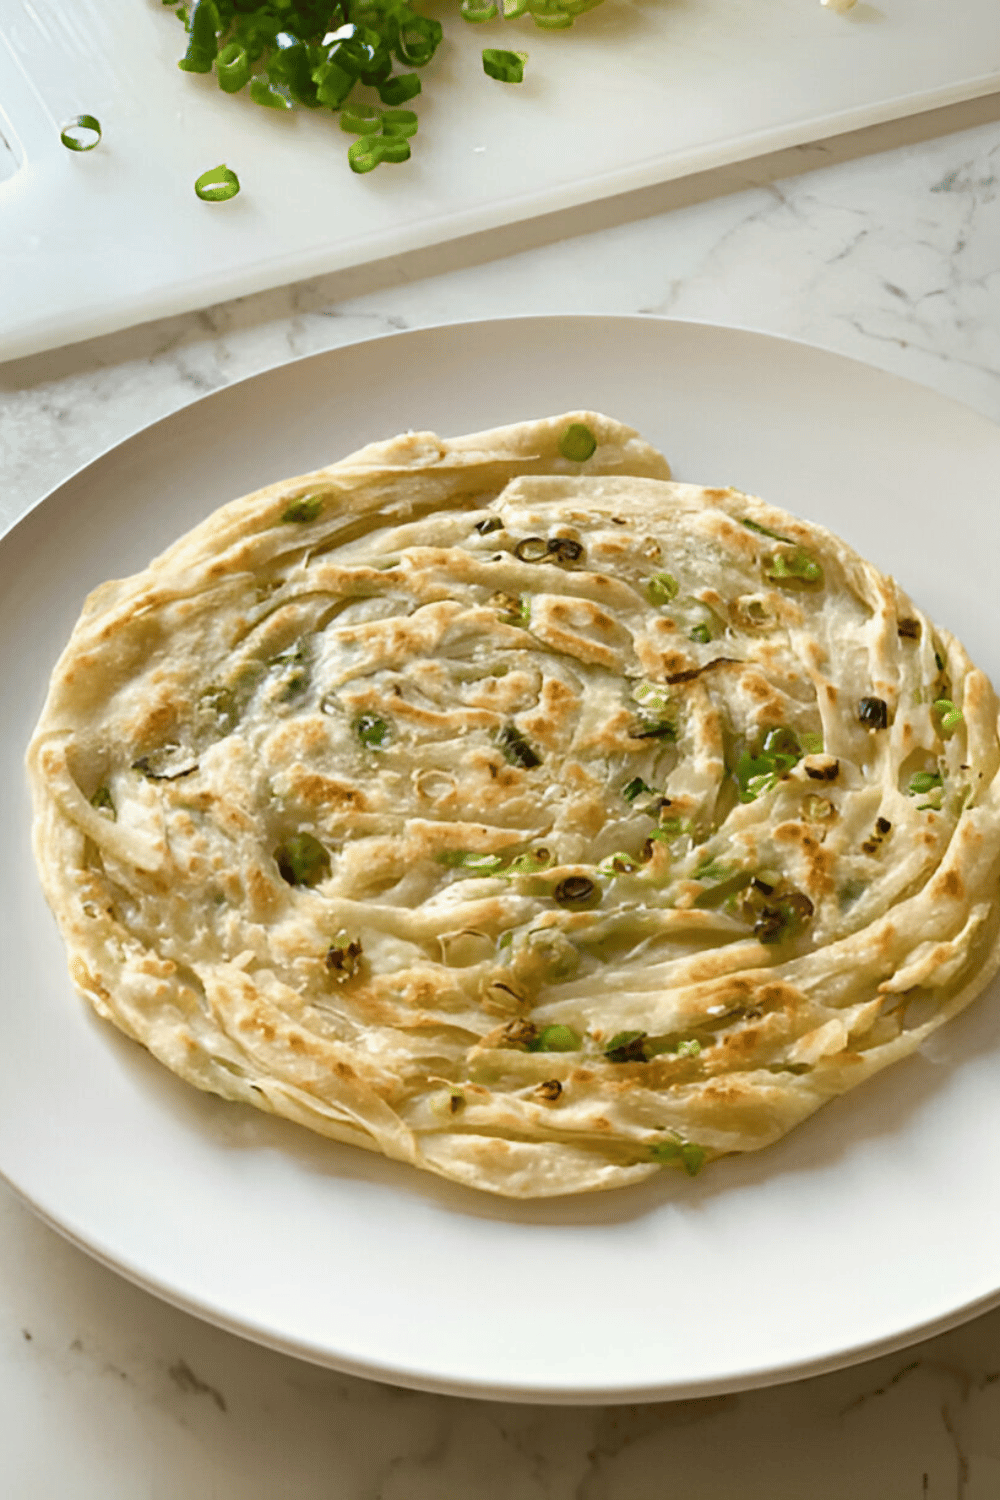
639,91
874,1224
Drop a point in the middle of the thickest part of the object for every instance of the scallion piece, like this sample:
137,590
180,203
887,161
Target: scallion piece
203,41
217,185
577,443
81,134
701,634
923,782
302,860
397,90
306,508
679,1153
689,1048
661,588
361,119
508,67
395,148
516,749
401,122
364,154
794,566
627,1046
477,11
232,68
762,530
372,731
263,92
948,713
555,1039
635,788
102,801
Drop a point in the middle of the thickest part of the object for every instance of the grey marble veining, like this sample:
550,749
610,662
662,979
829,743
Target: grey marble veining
891,255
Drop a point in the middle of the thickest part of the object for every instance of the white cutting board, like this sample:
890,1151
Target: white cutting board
637,92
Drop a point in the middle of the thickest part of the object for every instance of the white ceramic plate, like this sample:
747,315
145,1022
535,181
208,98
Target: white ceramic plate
872,1225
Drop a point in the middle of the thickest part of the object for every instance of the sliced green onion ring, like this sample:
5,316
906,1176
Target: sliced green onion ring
81,134
401,122
217,185
577,442
361,119
508,67
232,68
262,91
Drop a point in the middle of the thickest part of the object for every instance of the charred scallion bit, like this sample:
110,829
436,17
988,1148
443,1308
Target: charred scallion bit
343,959
873,713
627,1046
489,524
908,629
82,133
577,443
675,1152
531,549
217,185
575,890
786,918
948,714
555,1039
372,731
551,1089
661,588
102,800
506,67
635,788
302,860
516,750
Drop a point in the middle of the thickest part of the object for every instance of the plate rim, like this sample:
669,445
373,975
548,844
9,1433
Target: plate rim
759,1376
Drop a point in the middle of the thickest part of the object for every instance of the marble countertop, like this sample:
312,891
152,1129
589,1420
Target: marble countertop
882,245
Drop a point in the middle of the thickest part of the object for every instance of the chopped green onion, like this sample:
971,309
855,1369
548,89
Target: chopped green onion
689,1048
268,94
661,588
684,1153
762,530
462,859
395,148
306,508
717,895
701,634
361,119
217,185
923,782
397,90
627,1046
617,864
939,661
948,713
798,565
508,67
203,43
365,154
103,803
635,788
783,748
530,863
812,744
477,11
711,869
517,751
232,68
302,860
555,1039
653,729
372,731
577,443
400,122
81,134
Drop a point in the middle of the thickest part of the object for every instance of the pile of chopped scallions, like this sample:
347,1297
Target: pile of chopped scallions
357,58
